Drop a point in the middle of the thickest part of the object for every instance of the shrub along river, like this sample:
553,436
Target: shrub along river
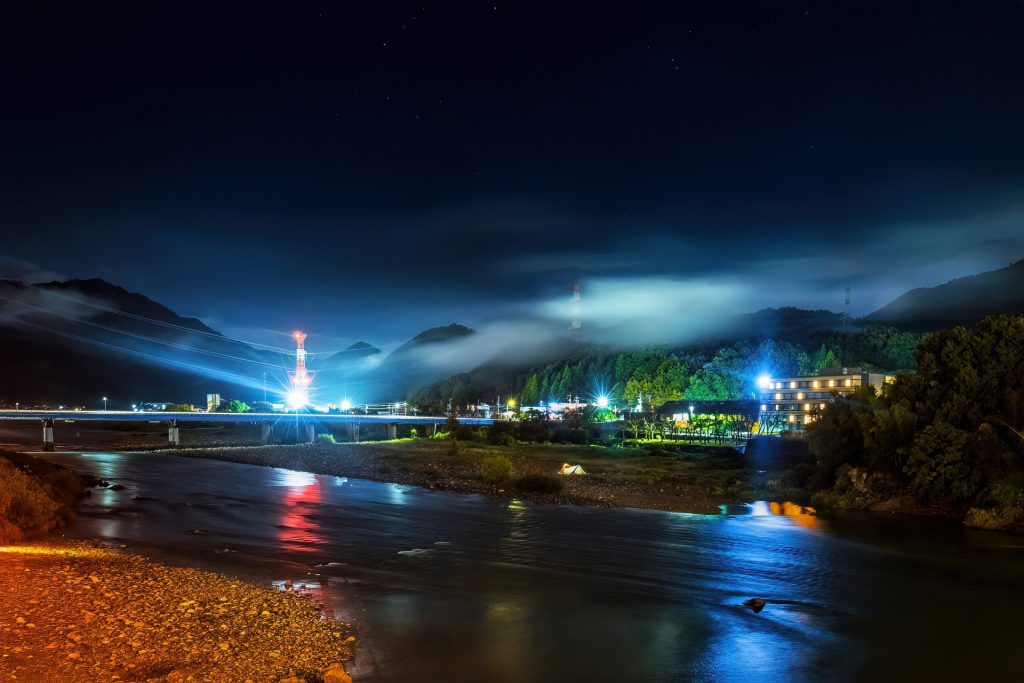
451,587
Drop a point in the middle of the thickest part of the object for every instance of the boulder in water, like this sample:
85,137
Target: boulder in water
756,604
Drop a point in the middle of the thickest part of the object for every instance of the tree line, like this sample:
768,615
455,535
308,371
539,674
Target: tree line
650,376
949,434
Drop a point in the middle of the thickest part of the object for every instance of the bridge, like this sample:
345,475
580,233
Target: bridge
304,423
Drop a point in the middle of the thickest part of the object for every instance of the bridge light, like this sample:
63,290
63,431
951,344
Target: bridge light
297,399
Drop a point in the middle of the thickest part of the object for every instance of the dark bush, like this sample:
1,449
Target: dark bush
496,469
539,483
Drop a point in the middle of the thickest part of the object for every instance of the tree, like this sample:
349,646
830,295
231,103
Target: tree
531,391
234,406
939,467
836,438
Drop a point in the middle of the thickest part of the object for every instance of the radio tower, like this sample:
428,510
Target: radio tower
301,378
577,313
847,310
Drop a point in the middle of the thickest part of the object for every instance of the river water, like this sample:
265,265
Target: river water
451,587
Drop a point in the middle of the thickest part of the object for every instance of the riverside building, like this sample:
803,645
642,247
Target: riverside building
794,402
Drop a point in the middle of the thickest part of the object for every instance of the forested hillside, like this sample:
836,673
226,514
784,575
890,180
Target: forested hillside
653,375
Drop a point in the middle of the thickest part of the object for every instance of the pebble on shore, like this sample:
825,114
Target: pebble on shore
78,613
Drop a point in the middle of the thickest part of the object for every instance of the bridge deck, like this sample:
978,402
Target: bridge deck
132,416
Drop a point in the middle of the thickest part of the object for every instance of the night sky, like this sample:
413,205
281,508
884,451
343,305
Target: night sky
365,170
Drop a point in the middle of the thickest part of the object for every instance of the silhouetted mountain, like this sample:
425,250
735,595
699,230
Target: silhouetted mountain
73,342
434,335
346,360
786,323
125,301
963,301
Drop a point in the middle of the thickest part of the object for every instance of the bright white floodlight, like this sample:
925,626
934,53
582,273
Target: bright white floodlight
602,401
296,400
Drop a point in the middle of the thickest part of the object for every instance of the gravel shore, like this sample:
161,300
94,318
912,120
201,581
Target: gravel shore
73,612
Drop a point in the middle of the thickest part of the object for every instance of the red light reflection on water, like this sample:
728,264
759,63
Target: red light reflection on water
298,531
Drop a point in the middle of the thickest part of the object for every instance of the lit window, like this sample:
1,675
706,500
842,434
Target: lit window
777,406
807,407
847,382
792,418
763,407
800,396
792,385
807,419
821,406
778,397
831,382
817,384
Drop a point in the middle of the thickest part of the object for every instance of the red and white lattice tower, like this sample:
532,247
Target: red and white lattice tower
301,378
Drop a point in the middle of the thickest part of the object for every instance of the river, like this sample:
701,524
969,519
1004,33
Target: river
451,587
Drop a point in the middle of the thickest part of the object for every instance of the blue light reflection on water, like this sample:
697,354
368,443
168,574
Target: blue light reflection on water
464,588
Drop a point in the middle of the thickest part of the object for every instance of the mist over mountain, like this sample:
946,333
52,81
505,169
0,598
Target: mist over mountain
74,341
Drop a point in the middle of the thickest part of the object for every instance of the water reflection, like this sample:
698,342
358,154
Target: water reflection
799,514
298,528
514,591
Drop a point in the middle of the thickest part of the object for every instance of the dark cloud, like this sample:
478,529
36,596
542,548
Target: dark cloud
369,170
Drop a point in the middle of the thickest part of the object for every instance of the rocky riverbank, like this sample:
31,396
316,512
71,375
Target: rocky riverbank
81,613
36,496
696,481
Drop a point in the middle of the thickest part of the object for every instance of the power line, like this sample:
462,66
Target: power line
152,321
241,379
143,337
175,326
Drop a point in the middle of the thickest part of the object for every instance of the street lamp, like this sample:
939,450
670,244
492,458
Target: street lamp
104,403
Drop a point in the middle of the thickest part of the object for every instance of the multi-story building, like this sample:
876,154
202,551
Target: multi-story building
794,402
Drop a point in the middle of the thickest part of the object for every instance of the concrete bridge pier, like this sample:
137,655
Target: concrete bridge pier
173,436
353,432
392,431
266,431
48,436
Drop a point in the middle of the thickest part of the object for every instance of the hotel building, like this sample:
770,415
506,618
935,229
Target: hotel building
795,402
